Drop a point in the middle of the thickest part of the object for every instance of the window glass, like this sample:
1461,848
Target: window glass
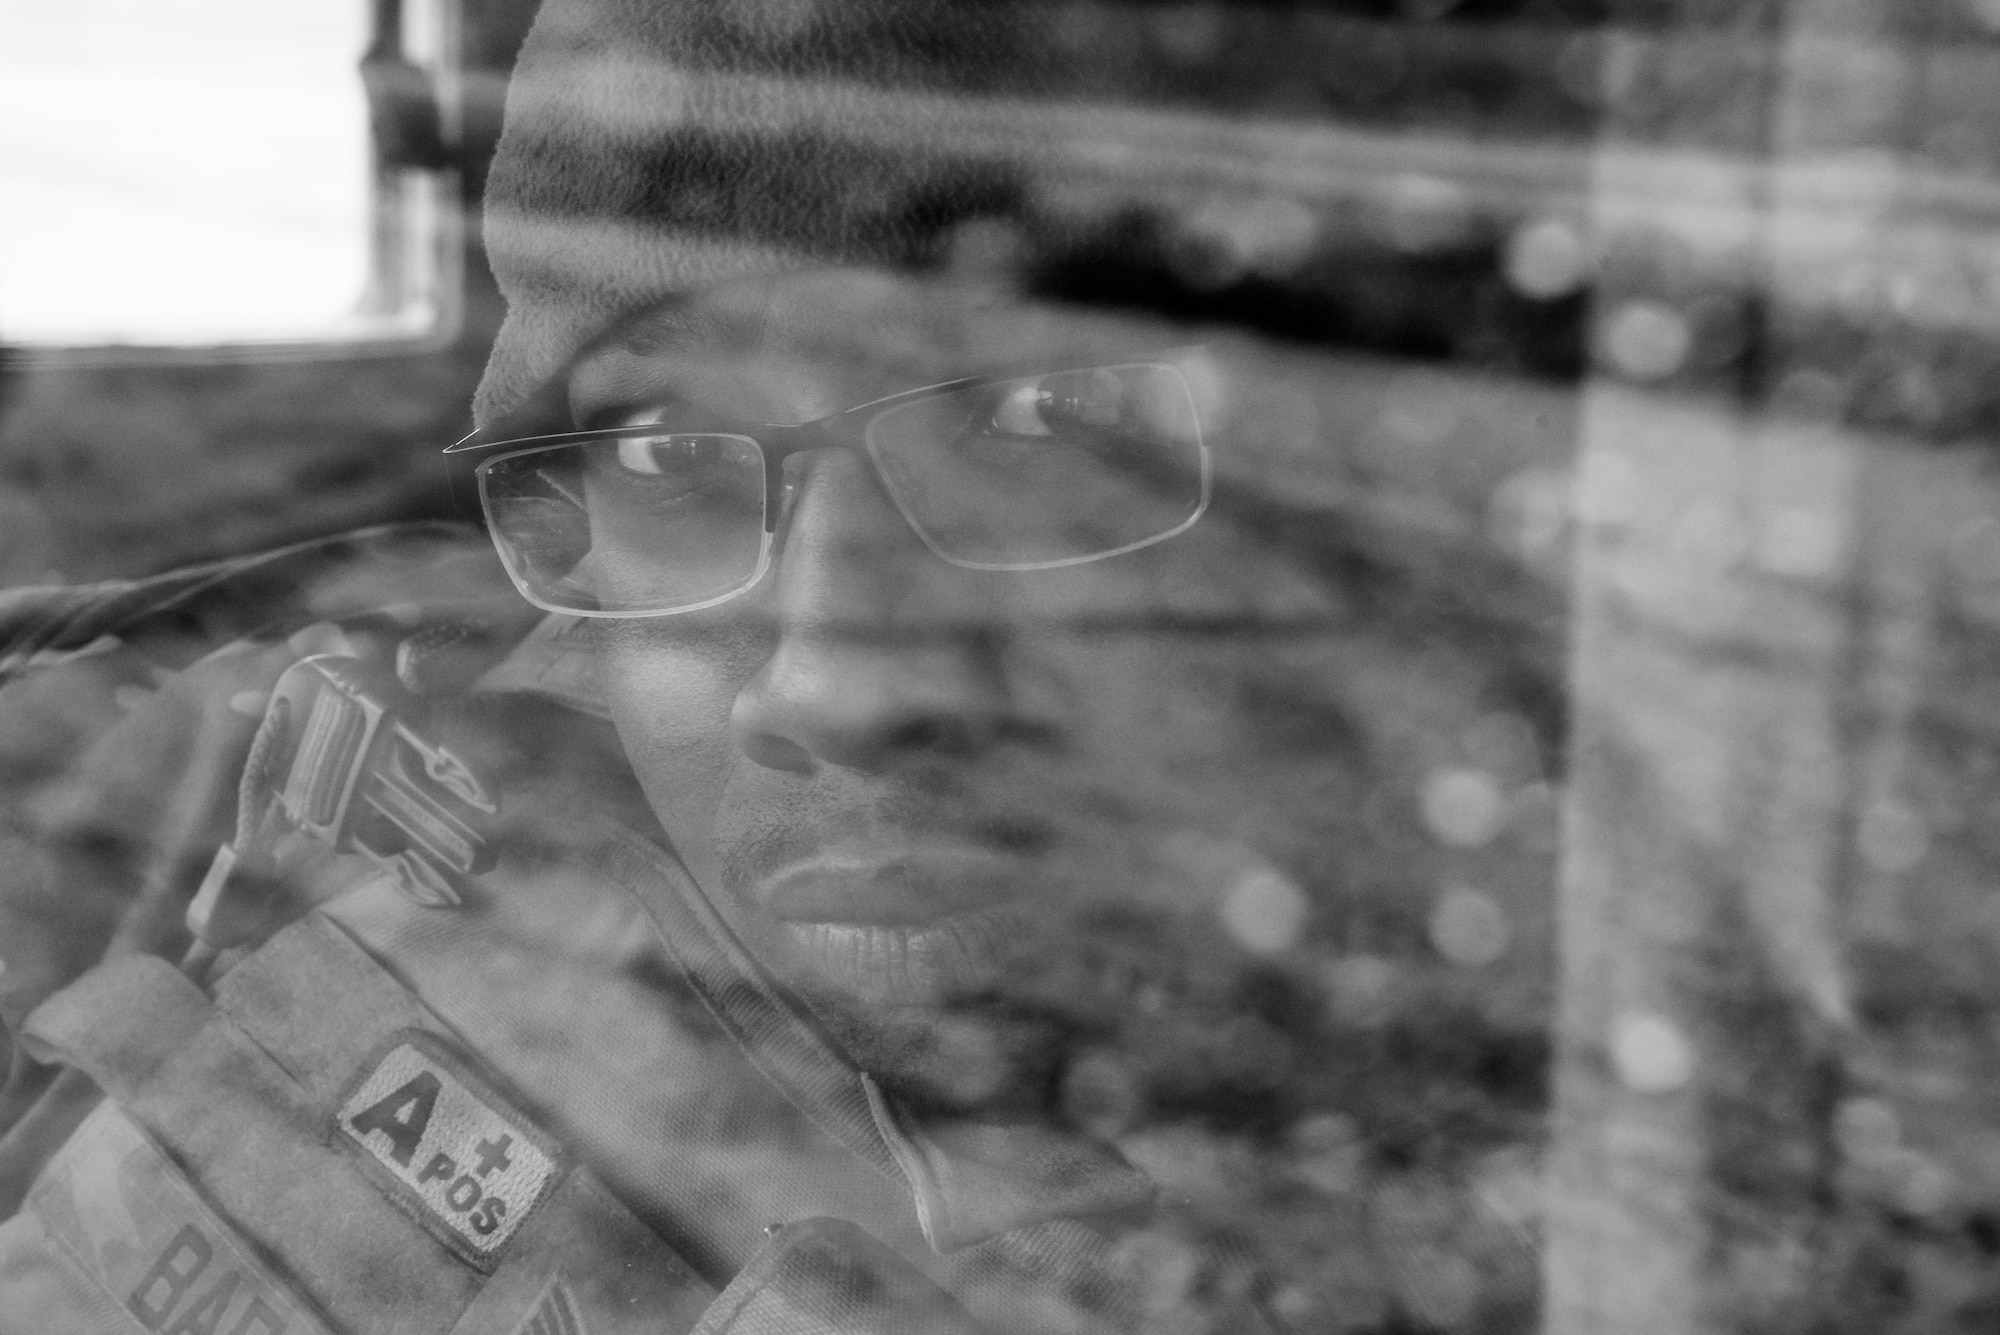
181,171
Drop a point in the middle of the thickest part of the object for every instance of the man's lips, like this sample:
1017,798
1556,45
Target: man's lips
909,927
906,887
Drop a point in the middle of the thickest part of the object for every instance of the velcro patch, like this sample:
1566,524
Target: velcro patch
447,1148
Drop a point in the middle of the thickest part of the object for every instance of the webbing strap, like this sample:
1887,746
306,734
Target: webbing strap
156,1010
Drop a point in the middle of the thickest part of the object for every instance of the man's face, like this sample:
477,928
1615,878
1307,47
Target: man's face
916,790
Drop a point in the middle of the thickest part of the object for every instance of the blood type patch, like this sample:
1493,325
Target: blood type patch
446,1148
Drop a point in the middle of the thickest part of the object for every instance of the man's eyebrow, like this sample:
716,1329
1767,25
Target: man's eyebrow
628,388
627,363
666,328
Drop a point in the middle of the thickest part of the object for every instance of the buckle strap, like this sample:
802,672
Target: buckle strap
119,1022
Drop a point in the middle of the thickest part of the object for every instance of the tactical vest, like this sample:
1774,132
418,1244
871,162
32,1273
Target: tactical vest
314,1149
249,1174
311,1153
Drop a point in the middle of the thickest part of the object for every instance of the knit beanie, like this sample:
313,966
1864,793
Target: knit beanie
1228,159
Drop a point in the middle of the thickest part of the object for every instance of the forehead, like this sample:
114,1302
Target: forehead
797,346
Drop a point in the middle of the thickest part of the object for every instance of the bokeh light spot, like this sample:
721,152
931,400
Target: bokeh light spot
1462,807
1650,1053
1468,928
1427,213
1546,259
1923,1188
1294,1302
1163,1268
1867,1130
967,1060
1100,1094
1528,515
1337,1170
1264,910
1321,1131
1647,341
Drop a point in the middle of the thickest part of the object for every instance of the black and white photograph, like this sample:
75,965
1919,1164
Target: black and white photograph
999,667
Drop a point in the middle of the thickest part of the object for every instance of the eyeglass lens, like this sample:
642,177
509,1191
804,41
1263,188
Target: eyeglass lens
1034,471
644,523
1045,470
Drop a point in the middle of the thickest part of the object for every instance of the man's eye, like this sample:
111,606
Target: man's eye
1023,411
668,456
674,474
1057,403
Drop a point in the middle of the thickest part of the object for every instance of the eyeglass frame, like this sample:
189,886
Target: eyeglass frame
776,442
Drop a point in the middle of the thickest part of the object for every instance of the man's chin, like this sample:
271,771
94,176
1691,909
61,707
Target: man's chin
985,1056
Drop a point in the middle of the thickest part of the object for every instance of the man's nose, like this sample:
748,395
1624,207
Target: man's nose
882,651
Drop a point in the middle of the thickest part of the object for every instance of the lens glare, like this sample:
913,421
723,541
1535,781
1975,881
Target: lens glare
1046,470
631,524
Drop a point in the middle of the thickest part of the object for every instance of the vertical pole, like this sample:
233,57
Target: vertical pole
1725,629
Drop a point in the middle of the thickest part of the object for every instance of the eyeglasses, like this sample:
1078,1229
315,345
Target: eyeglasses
999,473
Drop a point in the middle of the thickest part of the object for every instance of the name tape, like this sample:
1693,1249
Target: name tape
135,1226
447,1149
